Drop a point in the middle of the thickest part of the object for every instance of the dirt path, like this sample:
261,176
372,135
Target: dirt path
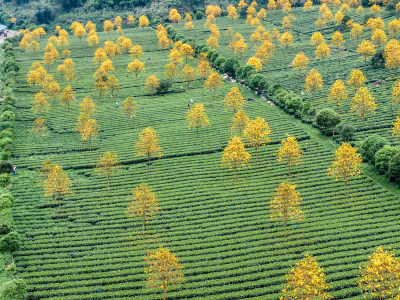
10,33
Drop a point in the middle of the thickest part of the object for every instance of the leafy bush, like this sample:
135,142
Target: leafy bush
346,132
5,155
383,157
306,108
247,72
254,81
239,71
199,15
5,179
293,104
10,242
5,141
8,196
230,66
394,168
220,61
5,167
6,133
9,100
370,146
5,204
377,60
6,108
327,119
164,86
14,289
6,222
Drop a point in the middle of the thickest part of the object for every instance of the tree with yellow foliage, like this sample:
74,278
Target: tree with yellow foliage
174,16
112,84
90,26
39,127
203,68
242,4
322,51
125,44
363,103
136,67
320,23
92,38
50,54
57,185
235,155
171,71
395,99
108,26
257,133
239,120
356,31
148,144
187,52
196,117
152,83
67,96
40,103
88,107
313,82
143,21
129,107
143,204
89,131
111,49
380,277
300,62
108,165
392,54
375,10
306,281
136,51
188,18
286,39
212,42
271,5
317,39
286,205
379,38
100,55
79,31
289,152
394,28
234,99
189,26
213,81
308,5
339,16
131,20
262,14
232,12
255,62
346,164
337,40
188,74
337,93
163,270
396,128
356,79
118,21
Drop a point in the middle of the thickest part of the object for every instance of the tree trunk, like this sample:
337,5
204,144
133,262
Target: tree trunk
234,172
108,182
148,155
144,226
59,204
256,152
165,292
345,187
289,168
197,131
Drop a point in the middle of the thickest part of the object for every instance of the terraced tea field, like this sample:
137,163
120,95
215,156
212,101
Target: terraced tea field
219,228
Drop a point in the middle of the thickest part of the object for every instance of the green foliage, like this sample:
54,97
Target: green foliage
14,289
394,168
327,119
164,86
230,66
346,132
5,178
6,222
383,157
370,146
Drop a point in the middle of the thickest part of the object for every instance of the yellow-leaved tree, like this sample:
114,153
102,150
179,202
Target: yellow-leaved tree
337,93
188,74
396,128
322,51
380,277
289,152
39,127
356,31
213,81
286,39
306,281
136,67
235,155
152,83
57,185
136,51
68,96
196,117
108,165
313,82
300,62
163,270
234,99
148,144
257,133
356,79
366,49
89,131
239,121
363,103
317,38
395,99
143,204
286,205
40,103
143,21
129,107
346,163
